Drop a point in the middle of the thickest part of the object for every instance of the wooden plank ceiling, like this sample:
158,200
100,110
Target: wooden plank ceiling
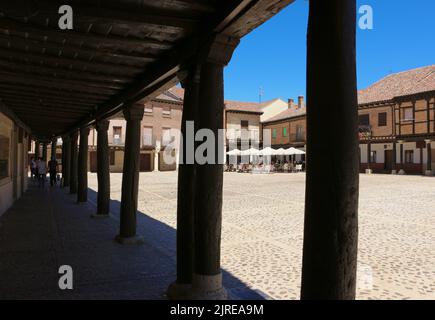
119,51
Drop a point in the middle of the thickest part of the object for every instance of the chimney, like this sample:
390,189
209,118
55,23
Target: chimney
291,103
300,102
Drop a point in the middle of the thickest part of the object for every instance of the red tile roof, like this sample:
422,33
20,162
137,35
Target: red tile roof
287,114
240,106
177,91
399,84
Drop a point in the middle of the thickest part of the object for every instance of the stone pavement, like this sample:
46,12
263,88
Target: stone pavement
261,241
263,230
46,228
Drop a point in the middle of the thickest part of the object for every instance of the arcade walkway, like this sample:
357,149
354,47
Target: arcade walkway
47,228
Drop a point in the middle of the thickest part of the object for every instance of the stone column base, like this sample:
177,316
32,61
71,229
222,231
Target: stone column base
205,287
368,171
179,291
393,171
401,172
99,216
129,240
428,173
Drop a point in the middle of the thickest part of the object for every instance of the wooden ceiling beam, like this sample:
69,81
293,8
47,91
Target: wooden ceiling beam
65,99
72,83
124,44
56,78
79,65
42,82
94,97
47,101
59,73
15,41
91,13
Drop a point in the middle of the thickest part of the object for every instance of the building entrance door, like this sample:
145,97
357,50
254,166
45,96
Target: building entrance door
145,162
93,161
388,163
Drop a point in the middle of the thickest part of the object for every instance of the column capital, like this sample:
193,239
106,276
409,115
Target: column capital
427,141
102,125
219,49
74,135
400,141
133,112
193,76
84,130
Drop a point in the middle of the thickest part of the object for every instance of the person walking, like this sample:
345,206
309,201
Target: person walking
52,167
33,173
42,172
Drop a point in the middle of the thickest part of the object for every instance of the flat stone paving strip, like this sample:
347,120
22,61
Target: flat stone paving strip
263,231
47,228
261,240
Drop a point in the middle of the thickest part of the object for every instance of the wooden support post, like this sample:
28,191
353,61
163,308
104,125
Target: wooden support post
53,148
73,163
66,161
332,178
82,175
103,170
44,151
130,176
207,276
180,289
428,158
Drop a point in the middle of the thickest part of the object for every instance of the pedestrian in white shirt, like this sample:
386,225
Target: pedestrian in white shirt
42,172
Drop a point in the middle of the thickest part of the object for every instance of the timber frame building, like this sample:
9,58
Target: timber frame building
396,124
121,54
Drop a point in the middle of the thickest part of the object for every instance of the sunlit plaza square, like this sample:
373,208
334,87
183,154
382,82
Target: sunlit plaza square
262,231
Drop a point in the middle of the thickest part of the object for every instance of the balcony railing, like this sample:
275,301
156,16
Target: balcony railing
364,132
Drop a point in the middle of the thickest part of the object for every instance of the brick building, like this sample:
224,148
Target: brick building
396,116
396,123
159,127
288,129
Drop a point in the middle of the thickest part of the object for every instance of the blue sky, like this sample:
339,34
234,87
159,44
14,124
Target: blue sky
274,55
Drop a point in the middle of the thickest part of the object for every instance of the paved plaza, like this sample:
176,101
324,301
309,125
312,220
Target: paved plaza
263,231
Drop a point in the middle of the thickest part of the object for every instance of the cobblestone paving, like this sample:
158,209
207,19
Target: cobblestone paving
263,229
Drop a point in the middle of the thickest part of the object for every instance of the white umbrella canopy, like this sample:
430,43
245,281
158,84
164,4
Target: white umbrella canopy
291,151
235,152
299,151
280,152
268,151
250,152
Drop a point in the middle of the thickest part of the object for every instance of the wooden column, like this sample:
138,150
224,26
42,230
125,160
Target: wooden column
73,163
186,193
130,176
53,148
369,156
15,161
428,158
37,146
332,179
207,276
401,166
82,174
66,164
103,169
44,151
393,160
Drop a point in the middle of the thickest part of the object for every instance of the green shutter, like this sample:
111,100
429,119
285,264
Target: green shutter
274,133
284,132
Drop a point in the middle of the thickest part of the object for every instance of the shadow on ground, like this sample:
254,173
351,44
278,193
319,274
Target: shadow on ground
46,228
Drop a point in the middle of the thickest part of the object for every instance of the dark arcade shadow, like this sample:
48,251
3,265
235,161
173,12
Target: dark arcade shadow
162,237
